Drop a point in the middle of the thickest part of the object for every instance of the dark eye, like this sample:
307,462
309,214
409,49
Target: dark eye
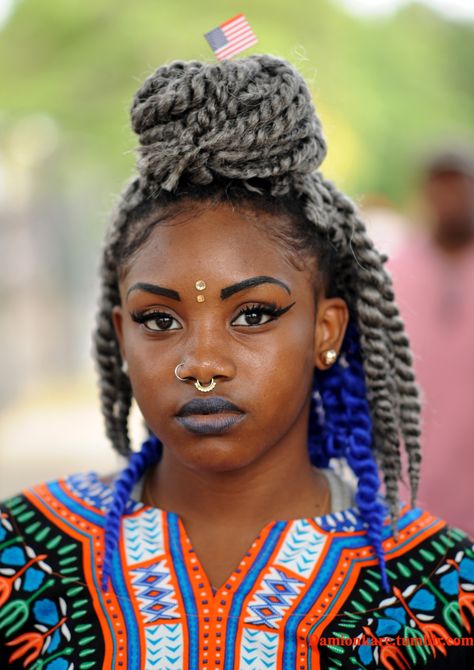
255,316
156,321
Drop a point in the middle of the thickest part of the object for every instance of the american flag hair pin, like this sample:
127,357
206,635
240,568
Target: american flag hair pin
231,37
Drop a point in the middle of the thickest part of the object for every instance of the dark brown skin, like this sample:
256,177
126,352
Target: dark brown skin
227,487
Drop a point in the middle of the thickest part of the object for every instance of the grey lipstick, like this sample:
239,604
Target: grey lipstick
209,416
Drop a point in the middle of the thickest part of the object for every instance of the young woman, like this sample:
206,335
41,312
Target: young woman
247,313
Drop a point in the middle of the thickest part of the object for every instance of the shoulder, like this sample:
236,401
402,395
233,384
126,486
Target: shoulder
79,486
431,568
427,616
50,538
419,529
49,503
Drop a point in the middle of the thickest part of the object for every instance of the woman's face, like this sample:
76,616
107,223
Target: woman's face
255,329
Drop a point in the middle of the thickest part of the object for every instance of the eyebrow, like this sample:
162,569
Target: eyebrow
225,292
154,288
252,281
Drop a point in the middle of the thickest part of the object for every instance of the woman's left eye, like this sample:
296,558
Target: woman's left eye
256,315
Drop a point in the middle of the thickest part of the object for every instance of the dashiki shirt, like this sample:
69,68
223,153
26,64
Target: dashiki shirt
306,595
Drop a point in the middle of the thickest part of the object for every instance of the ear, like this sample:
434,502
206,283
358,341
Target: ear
117,321
331,322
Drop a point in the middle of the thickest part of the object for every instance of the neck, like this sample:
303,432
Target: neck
272,488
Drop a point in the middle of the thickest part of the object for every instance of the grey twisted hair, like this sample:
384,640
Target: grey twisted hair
252,121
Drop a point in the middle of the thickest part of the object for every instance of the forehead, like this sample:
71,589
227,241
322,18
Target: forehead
217,240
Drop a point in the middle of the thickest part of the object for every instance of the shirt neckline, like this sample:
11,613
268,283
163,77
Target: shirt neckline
97,493
92,489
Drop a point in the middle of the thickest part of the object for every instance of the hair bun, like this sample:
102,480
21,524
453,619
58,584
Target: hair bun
239,120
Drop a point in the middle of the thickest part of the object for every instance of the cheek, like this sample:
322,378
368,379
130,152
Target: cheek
151,370
152,375
280,377
290,353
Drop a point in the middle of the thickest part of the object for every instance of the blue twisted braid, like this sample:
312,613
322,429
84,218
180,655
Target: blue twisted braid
138,462
340,426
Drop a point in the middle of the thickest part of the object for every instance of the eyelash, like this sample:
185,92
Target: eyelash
268,309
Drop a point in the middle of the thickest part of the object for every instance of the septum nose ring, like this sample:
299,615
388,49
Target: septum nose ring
205,388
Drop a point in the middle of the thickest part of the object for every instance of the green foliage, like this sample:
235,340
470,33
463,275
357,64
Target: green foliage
384,87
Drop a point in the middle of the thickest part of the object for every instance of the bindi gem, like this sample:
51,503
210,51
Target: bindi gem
200,285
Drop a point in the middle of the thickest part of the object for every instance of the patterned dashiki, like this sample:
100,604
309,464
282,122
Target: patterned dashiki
306,595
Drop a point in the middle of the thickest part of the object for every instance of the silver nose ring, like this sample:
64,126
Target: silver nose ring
205,388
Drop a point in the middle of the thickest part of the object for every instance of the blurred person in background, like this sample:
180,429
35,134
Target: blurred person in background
433,275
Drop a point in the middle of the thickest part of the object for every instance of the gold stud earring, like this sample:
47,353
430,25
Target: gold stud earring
200,286
329,356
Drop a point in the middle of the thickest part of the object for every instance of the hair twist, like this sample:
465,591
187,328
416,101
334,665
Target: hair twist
240,119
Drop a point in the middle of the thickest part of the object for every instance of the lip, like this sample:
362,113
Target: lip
209,416
211,405
210,424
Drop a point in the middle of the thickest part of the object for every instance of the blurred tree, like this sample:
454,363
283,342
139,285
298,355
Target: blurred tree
394,82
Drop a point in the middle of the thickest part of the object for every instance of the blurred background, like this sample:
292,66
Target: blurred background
391,79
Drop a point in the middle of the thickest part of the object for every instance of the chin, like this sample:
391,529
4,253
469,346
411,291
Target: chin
214,456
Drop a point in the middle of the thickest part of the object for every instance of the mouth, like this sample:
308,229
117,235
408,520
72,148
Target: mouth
209,416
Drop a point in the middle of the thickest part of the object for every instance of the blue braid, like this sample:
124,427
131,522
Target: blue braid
340,426
137,464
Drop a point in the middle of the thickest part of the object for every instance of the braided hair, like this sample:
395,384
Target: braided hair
246,132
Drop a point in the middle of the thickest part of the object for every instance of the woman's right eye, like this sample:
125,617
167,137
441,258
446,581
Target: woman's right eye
156,321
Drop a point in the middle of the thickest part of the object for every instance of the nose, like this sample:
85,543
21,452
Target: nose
205,355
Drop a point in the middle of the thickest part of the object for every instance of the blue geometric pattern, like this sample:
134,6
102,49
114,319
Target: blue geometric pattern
164,647
154,592
89,487
143,536
346,521
301,549
276,594
259,650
